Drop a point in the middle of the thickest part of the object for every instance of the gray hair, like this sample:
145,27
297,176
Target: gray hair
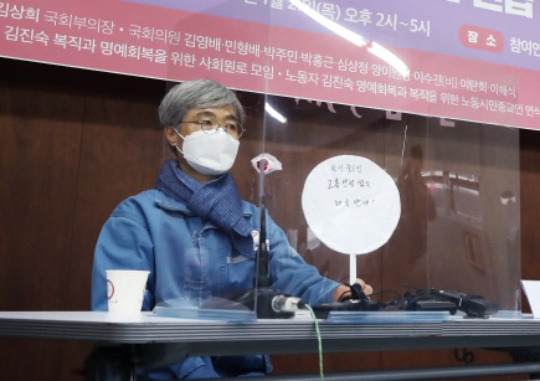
200,93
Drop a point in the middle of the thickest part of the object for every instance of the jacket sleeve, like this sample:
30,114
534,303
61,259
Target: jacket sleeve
292,275
124,243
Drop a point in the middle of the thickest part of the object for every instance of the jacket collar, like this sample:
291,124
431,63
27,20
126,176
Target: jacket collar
169,203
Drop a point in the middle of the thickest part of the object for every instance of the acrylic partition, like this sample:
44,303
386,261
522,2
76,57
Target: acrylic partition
388,172
458,184
346,153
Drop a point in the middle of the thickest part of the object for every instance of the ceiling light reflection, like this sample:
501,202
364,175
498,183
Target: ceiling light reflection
274,113
373,47
390,58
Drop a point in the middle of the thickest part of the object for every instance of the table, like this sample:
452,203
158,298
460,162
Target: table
168,339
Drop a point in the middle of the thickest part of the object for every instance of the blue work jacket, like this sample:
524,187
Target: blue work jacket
191,260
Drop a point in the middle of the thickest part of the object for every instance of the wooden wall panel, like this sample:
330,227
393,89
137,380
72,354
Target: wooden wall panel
39,148
40,133
73,144
530,204
121,153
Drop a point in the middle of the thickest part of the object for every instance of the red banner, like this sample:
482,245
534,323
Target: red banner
335,65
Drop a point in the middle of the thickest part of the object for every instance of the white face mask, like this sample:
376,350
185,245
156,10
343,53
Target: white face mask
209,154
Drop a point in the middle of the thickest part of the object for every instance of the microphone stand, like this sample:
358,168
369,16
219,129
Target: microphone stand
266,300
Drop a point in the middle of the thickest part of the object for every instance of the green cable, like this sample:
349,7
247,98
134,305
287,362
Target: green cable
319,339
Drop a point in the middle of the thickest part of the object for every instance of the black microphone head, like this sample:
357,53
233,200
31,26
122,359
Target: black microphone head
263,165
266,163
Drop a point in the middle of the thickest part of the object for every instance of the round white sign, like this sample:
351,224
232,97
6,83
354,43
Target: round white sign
351,204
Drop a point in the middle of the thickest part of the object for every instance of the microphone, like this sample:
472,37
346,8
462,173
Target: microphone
282,303
262,165
266,163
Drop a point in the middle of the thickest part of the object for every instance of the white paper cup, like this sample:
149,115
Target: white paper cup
125,290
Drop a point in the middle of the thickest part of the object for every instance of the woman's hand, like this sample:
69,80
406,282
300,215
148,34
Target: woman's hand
344,291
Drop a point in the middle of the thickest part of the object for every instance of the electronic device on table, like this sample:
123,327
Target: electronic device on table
474,306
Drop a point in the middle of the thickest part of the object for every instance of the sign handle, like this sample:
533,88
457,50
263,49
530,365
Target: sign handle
352,269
